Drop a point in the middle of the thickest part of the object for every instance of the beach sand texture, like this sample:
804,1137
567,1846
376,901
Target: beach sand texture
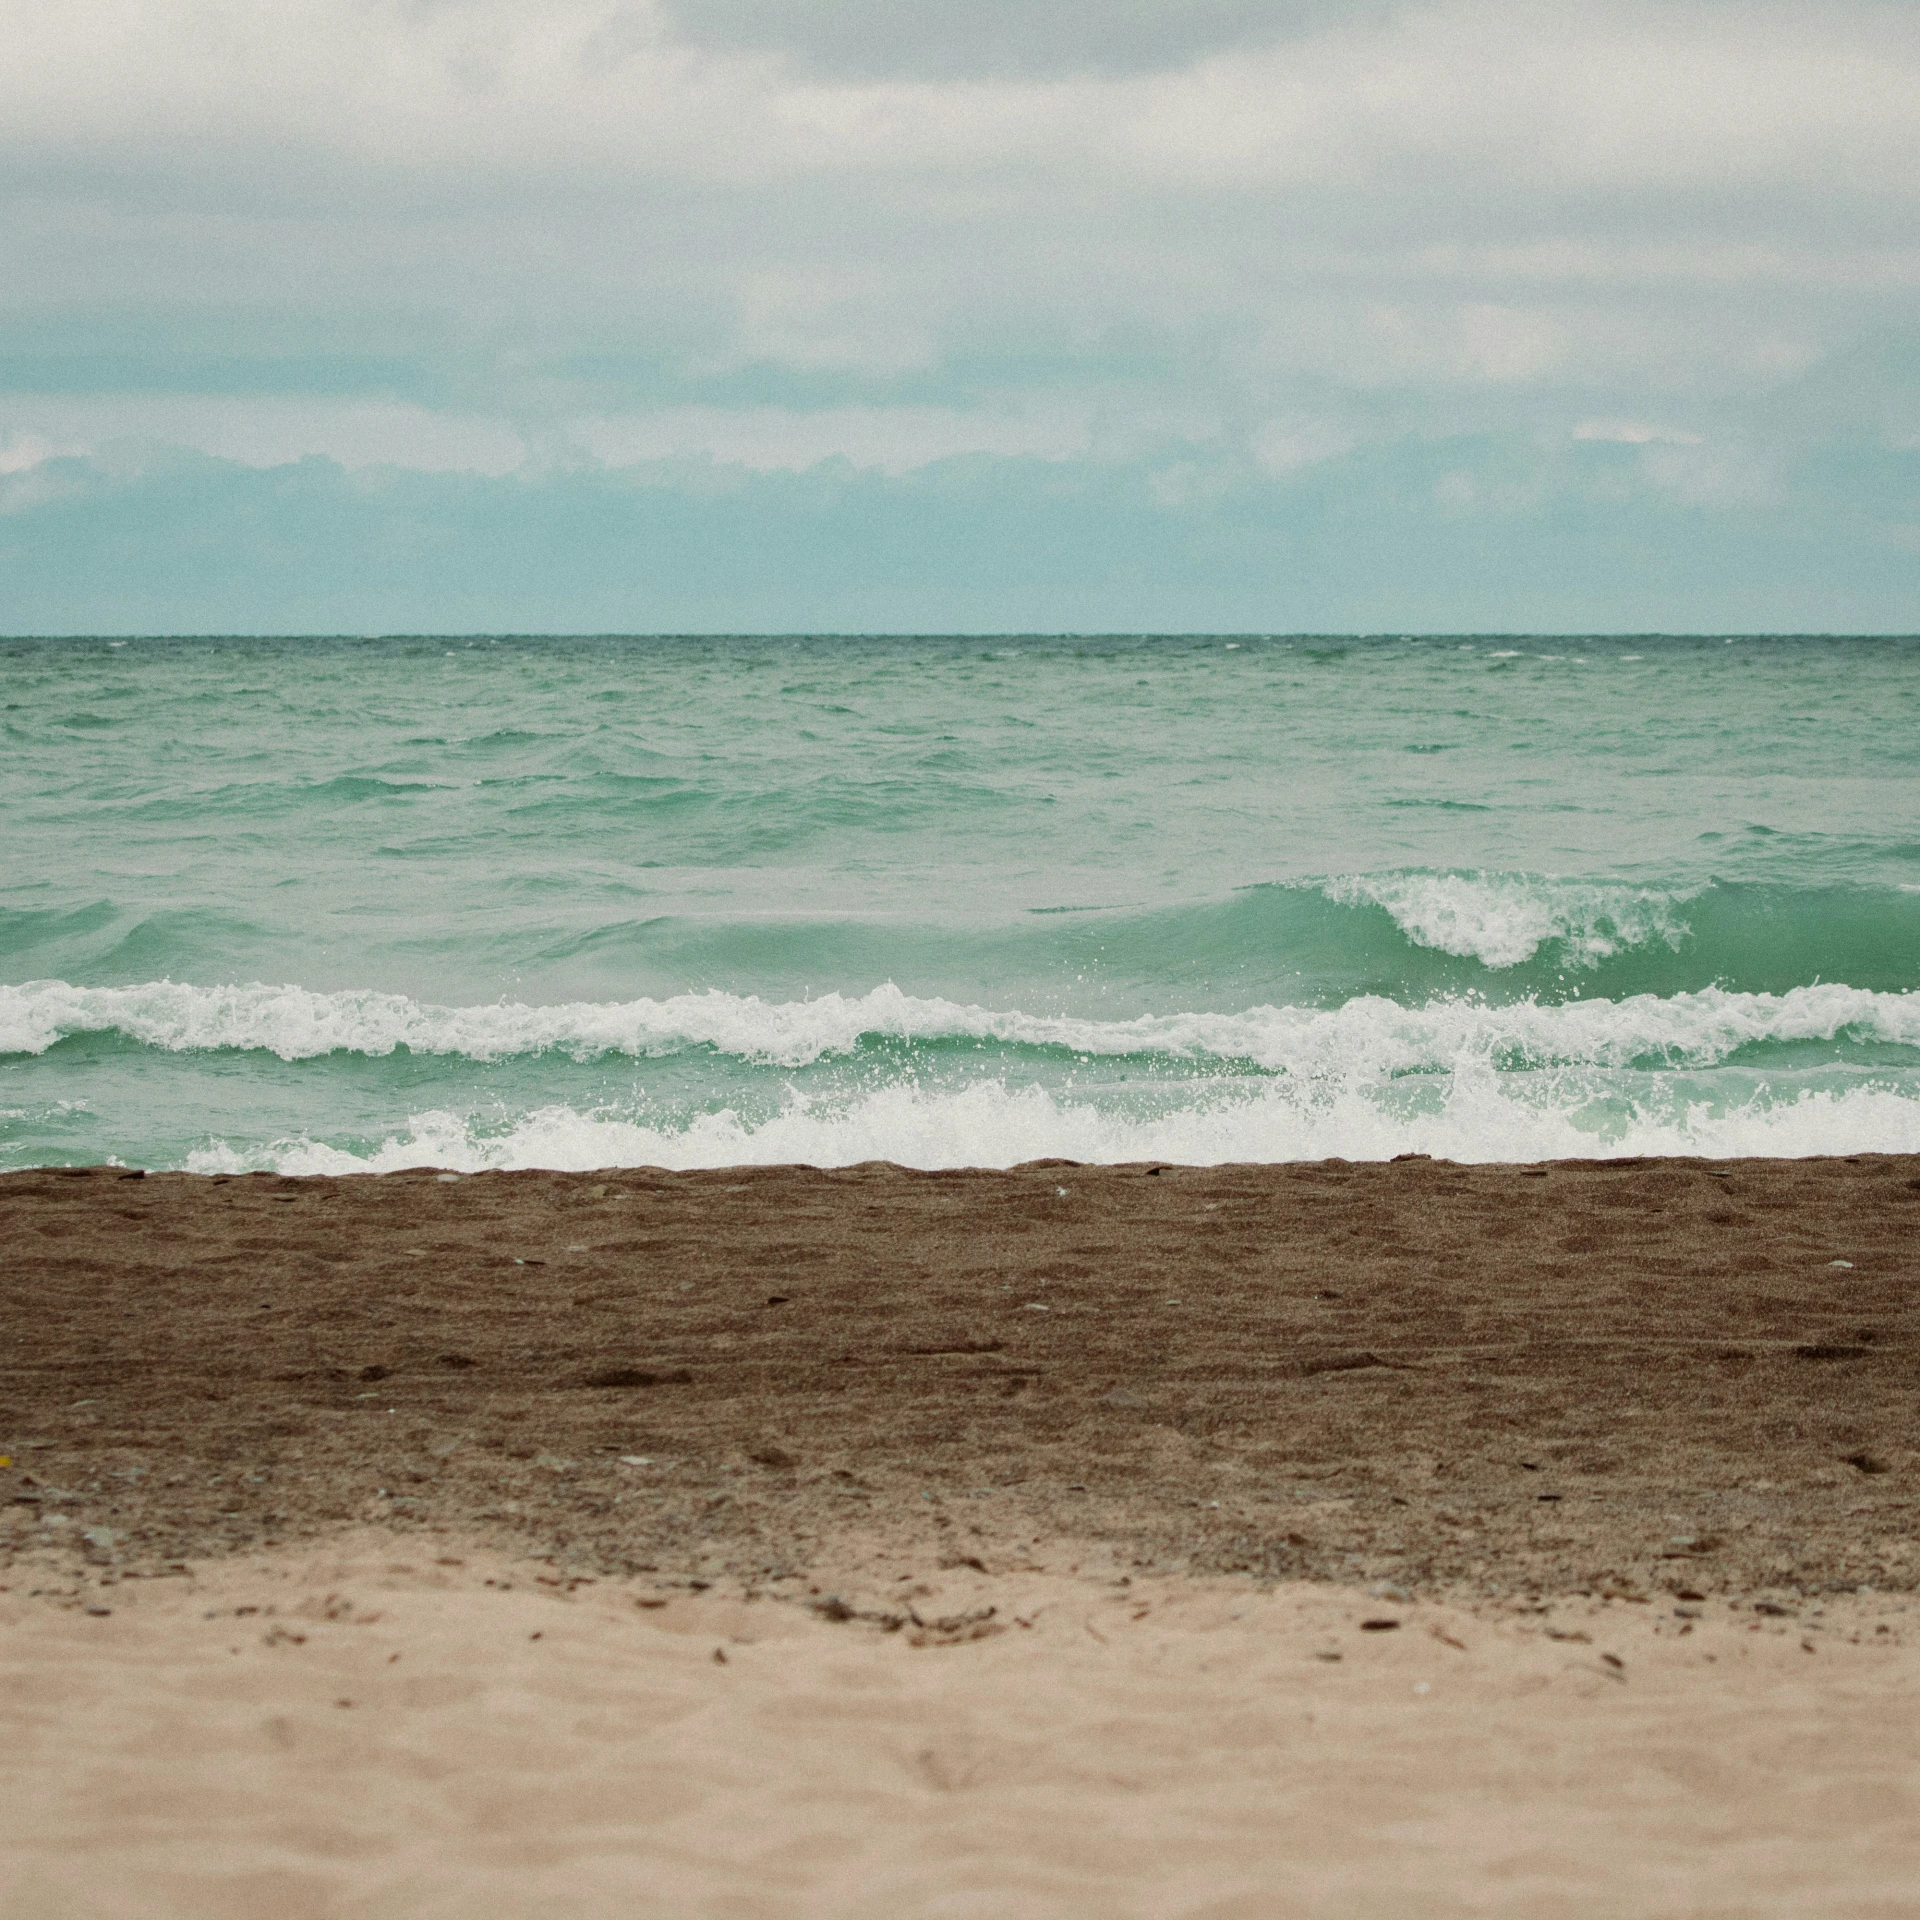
963,1543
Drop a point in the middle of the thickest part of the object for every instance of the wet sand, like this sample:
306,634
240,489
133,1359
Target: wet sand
1027,1510
1485,1379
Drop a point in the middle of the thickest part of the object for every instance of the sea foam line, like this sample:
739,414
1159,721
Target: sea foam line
1365,1035
1474,1117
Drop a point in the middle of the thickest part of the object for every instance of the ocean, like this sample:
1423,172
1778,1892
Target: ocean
339,905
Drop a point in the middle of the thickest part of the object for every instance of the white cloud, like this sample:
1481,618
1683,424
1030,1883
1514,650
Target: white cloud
1634,433
258,431
589,217
1508,91
892,440
21,451
826,318
1282,446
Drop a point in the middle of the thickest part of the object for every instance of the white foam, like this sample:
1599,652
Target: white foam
1475,1115
1368,1035
1503,920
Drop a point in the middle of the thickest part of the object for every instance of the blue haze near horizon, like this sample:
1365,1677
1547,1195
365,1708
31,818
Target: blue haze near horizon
976,544
325,905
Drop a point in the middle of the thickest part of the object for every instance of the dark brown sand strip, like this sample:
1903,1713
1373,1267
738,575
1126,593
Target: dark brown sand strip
1589,1376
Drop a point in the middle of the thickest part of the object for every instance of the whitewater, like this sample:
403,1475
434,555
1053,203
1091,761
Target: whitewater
336,906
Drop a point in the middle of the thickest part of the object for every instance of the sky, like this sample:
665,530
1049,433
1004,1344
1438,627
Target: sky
984,315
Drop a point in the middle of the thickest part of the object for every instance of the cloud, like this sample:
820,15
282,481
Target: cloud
1634,433
267,430
1024,39
19,452
472,235
490,93
892,440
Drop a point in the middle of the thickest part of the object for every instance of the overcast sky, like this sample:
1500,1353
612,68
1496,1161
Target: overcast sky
1496,280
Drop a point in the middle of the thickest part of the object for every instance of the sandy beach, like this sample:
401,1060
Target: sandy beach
779,1541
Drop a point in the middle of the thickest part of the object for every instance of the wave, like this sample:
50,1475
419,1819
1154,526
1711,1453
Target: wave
1503,920
1410,935
1535,935
1478,1117
1366,1035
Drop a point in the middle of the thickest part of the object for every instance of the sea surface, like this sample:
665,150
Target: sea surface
334,905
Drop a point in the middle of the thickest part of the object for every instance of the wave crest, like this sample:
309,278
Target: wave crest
1367,1035
1503,920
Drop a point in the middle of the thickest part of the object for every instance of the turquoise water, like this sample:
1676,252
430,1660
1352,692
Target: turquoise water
335,904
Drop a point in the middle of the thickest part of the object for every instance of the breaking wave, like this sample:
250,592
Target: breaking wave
1503,920
1474,1116
1367,1035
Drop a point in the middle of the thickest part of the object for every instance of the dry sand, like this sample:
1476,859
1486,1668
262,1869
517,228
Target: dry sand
780,1542
360,1731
